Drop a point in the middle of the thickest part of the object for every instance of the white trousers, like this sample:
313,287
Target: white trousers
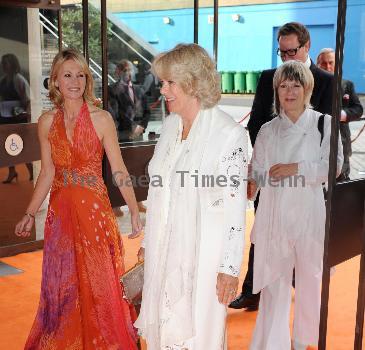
272,330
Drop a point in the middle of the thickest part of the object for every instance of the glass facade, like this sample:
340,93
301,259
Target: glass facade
139,112
28,44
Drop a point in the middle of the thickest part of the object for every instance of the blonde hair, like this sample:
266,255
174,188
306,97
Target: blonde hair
191,67
293,71
65,55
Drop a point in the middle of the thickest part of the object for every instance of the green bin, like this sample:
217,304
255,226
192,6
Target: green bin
227,82
240,82
251,82
258,74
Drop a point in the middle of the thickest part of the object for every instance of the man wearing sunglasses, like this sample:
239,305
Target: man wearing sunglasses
294,44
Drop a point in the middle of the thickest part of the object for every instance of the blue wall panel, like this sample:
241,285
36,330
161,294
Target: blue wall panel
150,26
354,51
250,43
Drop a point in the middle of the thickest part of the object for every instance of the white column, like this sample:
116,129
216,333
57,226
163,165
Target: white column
35,63
36,87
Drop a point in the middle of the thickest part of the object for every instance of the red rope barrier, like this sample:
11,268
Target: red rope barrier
155,104
360,132
245,117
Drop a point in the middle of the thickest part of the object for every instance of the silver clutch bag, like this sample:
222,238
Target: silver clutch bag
132,283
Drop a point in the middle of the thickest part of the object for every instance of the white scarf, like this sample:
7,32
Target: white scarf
170,257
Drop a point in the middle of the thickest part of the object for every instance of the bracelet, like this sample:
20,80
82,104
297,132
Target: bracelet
30,215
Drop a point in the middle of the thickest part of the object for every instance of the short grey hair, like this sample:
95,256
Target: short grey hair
293,71
325,50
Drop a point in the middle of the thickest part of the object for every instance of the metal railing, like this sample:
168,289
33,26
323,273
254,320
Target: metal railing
94,66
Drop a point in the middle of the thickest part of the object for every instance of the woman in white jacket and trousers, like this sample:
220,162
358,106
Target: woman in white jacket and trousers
194,233
289,165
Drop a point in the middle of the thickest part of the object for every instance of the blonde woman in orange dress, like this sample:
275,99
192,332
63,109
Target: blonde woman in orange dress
81,304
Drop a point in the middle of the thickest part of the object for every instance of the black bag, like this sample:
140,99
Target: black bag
320,127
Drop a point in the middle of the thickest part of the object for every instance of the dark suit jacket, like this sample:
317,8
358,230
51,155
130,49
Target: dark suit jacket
262,108
353,108
126,112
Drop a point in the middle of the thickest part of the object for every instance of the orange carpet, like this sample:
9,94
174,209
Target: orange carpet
19,298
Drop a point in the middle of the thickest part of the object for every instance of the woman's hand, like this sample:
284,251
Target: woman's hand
251,189
140,254
24,226
280,171
226,288
137,227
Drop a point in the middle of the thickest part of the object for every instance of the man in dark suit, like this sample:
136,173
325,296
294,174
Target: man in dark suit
128,104
351,109
294,44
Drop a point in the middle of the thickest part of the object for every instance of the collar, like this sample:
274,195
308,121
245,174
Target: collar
308,62
289,122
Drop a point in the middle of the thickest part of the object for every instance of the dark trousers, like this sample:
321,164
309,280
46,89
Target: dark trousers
248,282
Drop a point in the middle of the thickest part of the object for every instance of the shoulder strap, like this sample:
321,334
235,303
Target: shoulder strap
321,131
321,127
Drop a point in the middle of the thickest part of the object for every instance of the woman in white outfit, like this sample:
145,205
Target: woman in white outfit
289,164
194,233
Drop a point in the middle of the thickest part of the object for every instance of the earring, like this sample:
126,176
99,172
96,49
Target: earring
56,84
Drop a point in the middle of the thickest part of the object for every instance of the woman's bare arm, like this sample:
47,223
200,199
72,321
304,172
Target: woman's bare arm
105,125
45,177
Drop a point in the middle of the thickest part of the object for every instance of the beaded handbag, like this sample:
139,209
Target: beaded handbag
132,283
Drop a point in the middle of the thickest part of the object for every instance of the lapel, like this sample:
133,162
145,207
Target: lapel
287,127
314,69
